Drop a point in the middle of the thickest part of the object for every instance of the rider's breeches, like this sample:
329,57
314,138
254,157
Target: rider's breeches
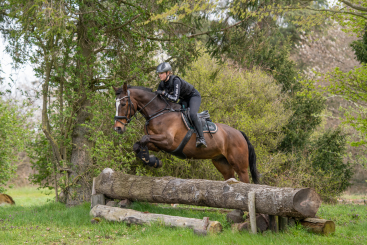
194,103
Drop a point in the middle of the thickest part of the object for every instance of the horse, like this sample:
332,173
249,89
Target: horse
229,149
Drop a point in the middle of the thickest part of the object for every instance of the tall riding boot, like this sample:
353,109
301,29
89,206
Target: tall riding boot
200,141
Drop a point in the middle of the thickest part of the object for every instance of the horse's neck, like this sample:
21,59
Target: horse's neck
155,105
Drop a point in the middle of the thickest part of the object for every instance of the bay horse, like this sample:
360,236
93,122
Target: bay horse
229,149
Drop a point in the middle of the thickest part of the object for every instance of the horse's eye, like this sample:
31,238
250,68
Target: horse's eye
123,104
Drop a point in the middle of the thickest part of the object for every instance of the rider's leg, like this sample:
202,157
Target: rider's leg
194,104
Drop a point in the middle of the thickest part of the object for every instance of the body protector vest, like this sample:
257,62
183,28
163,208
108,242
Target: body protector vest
176,88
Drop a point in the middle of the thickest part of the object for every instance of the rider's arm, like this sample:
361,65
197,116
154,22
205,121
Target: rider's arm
176,91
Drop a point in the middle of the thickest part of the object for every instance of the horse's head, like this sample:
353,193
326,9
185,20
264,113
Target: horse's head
125,108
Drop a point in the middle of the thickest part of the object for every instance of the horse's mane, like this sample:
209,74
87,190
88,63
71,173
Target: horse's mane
119,90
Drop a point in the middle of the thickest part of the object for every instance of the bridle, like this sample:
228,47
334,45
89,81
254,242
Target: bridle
128,117
130,108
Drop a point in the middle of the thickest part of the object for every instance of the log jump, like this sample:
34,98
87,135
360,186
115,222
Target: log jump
276,207
230,194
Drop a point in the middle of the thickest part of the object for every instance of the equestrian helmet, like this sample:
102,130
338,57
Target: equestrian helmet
164,67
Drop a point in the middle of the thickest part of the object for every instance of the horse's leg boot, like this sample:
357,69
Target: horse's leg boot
143,154
154,162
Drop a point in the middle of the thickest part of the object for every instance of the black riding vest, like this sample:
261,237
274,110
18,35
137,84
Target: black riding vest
185,88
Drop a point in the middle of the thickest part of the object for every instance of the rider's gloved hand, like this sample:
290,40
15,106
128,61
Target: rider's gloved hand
159,92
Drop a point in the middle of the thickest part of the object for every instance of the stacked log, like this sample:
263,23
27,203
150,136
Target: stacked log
130,216
293,202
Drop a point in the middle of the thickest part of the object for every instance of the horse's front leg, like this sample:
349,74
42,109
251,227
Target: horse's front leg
142,152
157,139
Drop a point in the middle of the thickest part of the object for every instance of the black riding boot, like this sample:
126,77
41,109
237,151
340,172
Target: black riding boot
200,141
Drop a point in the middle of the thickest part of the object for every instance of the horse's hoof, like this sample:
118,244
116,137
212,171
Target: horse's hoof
155,162
159,163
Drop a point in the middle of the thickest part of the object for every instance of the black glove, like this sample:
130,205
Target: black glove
159,92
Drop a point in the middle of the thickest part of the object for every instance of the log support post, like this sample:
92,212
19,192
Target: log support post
274,223
252,211
96,198
283,223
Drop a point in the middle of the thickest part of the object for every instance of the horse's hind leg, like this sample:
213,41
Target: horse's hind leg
223,167
239,163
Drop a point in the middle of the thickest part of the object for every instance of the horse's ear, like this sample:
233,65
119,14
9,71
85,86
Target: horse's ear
124,88
115,88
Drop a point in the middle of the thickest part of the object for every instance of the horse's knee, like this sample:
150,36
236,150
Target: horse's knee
145,140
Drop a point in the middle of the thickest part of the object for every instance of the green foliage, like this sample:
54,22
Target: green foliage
14,135
360,48
249,101
327,153
307,107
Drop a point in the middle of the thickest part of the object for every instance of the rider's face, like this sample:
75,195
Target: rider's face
162,76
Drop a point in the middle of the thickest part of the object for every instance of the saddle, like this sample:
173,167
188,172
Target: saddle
204,118
208,127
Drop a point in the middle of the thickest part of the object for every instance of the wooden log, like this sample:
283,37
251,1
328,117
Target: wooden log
222,211
251,211
262,224
301,202
130,216
274,223
283,223
319,226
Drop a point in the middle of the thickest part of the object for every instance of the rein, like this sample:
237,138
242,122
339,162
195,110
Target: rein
129,118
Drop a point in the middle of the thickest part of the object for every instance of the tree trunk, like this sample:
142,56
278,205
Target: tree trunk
303,202
79,190
130,216
80,180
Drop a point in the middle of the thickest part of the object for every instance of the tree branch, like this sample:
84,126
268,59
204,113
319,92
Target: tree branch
126,23
354,6
224,29
364,16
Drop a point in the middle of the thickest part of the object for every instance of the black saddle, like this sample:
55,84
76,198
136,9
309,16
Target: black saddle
204,118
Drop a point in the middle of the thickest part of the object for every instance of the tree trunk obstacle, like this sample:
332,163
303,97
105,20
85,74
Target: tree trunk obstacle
300,202
275,205
130,216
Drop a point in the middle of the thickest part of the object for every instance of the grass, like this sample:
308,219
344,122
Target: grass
37,220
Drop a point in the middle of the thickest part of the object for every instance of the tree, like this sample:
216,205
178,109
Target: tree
81,48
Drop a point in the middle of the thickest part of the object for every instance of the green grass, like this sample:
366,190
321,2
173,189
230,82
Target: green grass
355,196
35,220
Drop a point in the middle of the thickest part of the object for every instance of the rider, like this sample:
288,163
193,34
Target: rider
174,88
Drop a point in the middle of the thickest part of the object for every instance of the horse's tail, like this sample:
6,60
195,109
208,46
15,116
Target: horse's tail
252,160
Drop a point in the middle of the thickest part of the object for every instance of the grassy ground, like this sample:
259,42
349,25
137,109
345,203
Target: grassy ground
37,220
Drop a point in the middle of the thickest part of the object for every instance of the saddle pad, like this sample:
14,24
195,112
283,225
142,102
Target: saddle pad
206,125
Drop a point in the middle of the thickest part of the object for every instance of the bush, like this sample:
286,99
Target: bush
13,137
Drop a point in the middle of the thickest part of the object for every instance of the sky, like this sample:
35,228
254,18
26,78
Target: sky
22,75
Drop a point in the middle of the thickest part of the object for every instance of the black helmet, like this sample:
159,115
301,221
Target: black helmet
164,67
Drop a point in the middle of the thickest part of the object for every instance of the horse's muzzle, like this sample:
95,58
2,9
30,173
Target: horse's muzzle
120,130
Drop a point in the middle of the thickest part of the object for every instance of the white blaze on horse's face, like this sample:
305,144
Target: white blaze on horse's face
118,127
117,107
